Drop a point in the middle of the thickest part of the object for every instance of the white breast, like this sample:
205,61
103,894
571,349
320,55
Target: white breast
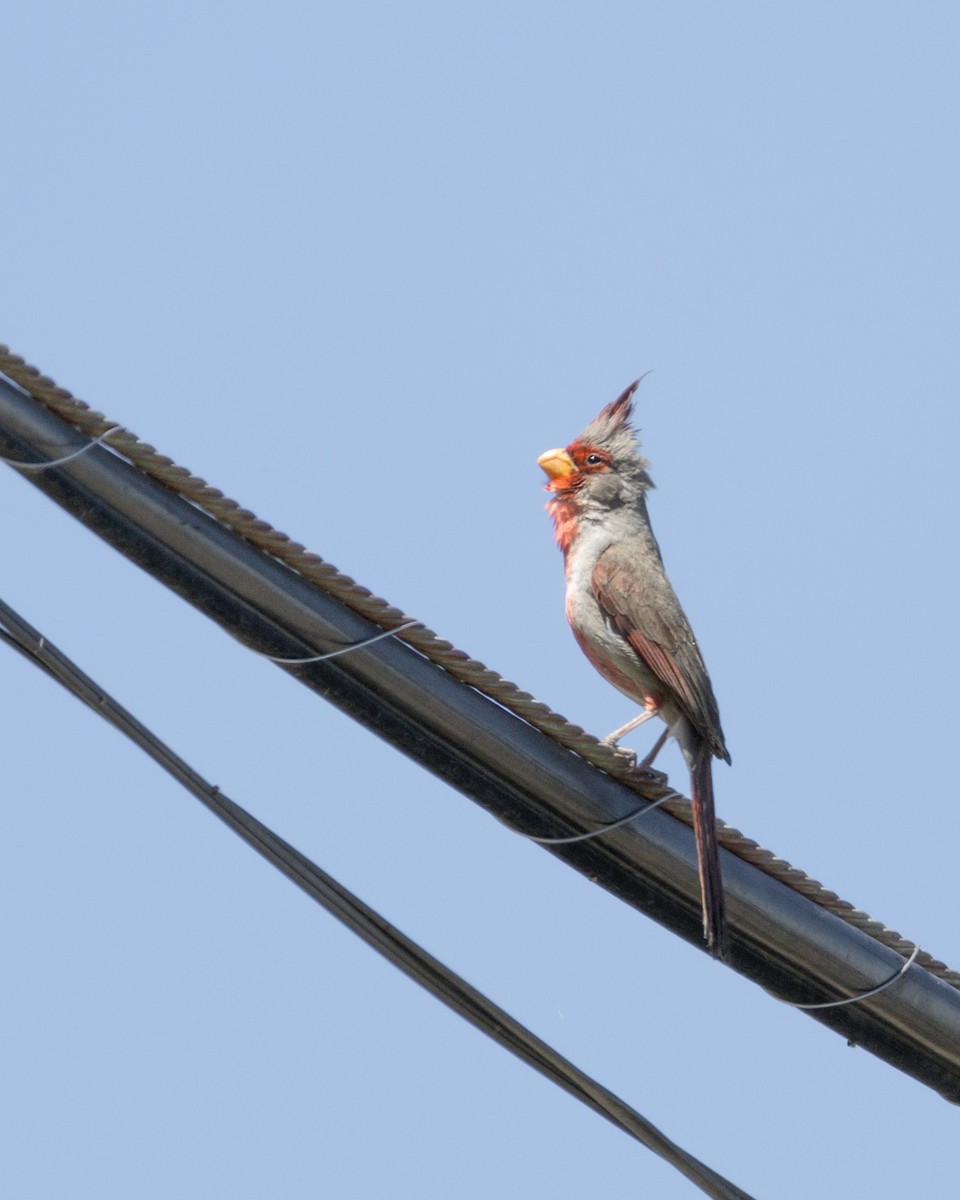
606,648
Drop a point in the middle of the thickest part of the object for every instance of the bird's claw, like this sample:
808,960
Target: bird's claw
629,757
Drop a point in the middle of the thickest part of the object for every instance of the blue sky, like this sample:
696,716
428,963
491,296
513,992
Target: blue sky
358,265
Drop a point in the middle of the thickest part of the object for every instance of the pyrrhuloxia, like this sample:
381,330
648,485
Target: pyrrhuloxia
627,619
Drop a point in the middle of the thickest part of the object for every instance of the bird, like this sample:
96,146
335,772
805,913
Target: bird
627,619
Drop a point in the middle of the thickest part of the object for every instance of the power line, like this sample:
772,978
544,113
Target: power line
330,581
802,950
362,920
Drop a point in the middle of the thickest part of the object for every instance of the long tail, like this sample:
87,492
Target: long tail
708,857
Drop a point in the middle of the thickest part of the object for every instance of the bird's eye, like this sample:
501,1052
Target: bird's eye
593,460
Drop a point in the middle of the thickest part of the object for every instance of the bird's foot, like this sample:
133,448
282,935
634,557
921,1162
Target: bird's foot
629,756
629,759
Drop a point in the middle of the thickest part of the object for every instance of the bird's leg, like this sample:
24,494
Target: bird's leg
658,745
612,738
646,763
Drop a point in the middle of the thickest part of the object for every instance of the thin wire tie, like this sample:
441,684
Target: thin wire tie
313,658
881,987
592,833
57,462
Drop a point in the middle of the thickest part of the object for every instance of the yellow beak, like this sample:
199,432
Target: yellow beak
556,463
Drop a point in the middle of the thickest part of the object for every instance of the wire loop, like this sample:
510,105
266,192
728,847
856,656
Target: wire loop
57,462
592,833
314,658
881,987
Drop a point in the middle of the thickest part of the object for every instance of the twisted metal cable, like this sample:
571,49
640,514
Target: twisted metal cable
327,578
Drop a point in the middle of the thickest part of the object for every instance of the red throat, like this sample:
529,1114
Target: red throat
564,521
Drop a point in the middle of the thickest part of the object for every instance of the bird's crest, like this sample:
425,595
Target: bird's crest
611,429
614,419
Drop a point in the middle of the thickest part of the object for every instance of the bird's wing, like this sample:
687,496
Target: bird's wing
631,587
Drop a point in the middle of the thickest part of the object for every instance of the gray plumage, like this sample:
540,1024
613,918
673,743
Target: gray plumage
626,617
